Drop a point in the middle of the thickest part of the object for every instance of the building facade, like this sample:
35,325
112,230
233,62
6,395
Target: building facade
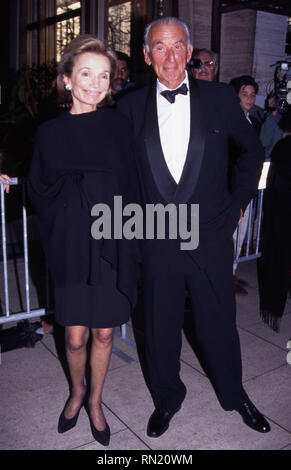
248,40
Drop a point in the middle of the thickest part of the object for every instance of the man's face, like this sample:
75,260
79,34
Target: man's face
168,53
207,71
122,70
247,96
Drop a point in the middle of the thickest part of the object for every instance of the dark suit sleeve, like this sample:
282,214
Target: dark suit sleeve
247,155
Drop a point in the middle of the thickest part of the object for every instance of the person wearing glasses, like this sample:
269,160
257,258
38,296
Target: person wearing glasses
207,68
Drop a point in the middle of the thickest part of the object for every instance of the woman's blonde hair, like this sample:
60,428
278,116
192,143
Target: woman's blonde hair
80,45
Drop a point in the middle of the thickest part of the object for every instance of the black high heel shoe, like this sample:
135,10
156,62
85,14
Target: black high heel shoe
103,437
65,424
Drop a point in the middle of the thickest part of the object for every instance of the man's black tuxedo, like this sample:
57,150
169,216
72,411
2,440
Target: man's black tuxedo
222,186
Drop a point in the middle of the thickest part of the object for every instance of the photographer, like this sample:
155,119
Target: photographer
270,132
204,65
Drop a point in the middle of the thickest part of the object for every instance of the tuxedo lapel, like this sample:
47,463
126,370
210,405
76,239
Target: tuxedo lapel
168,188
191,170
161,174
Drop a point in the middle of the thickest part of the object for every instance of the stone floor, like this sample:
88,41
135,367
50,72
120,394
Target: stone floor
34,389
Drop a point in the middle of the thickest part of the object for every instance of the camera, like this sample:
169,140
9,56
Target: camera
282,82
196,63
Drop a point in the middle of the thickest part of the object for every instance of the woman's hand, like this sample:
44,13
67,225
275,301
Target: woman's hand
6,179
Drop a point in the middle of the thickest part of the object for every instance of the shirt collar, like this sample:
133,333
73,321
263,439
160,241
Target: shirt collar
161,87
248,118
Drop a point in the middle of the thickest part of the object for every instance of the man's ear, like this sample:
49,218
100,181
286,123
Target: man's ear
189,52
146,57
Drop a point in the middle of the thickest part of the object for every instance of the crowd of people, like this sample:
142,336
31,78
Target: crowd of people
271,125
168,142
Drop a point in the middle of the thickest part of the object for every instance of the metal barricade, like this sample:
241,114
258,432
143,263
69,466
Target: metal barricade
252,236
28,313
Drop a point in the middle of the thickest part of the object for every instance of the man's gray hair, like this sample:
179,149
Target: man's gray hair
197,52
165,20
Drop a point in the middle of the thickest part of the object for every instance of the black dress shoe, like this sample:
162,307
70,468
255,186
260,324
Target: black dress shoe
66,424
253,418
159,422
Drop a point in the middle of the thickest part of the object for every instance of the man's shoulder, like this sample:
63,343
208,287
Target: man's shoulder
213,87
218,93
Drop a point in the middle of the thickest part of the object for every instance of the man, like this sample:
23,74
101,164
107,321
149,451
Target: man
181,145
208,68
121,83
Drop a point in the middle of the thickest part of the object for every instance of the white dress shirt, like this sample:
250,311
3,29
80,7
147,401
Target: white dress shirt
248,118
174,128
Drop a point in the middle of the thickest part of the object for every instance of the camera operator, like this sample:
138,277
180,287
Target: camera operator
270,132
275,105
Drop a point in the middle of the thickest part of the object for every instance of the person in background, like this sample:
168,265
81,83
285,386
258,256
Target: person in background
271,132
121,83
204,65
7,181
274,266
82,158
246,89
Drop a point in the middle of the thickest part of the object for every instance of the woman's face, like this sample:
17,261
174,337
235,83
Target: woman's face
247,96
89,81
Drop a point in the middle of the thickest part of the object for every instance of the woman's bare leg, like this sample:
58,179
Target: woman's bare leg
76,342
102,339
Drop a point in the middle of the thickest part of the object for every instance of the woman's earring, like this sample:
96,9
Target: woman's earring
68,87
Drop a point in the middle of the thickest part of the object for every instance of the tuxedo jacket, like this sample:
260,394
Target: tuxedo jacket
222,167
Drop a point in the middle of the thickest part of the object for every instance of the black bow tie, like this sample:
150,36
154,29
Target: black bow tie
170,95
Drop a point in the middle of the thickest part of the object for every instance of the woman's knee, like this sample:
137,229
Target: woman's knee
76,339
103,336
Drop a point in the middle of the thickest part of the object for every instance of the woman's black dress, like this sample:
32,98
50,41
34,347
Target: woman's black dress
79,161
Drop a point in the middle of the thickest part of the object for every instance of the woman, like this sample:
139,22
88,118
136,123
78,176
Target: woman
275,262
80,159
